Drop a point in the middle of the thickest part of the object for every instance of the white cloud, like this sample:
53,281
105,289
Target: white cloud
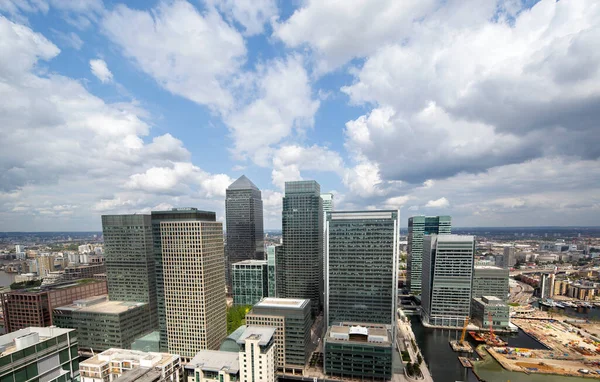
289,160
100,70
251,14
438,203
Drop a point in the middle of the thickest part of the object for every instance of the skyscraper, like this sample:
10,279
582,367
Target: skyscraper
193,262
175,214
301,264
447,279
418,227
130,267
250,281
327,199
361,259
271,255
244,218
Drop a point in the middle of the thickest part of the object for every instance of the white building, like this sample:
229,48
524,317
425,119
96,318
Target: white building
131,365
19,248
257,354
213,366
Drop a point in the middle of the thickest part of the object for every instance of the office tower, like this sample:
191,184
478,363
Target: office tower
486,307
257,354
361,262
327,200
45,264
292,320
129,259
19,248
33,307
271,261
510,256
193,262
358,352
174,214
301,264
214,365
418,227
447,279
103,324
131,366
44,354
490,281
244,219
250,281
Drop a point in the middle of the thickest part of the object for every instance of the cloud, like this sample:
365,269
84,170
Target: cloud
251,14
289,160
100,70
68,39
80,13
190,54
438,203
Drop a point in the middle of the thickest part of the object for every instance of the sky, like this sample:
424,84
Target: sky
485,110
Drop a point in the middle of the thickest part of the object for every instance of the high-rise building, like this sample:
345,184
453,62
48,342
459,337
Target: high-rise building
486,307
250,281
129,259
131,366
510,256
418,227
44,354
45,264
271,261
447,279
244,219
361,259
193,264
257,354
490,281
174,214
292,320
301,264
19,248
327,200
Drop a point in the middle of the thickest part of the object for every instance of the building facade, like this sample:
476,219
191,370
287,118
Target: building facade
490,281
361,262
33,307
490,310
301,264
250,281
130,266
193,263
271,262
213,366
292,320
510,256
447,279
244,220
257,354
131,366
418,228
39,354
45,264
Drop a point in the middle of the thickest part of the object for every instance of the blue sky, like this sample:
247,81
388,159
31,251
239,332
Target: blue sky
485,110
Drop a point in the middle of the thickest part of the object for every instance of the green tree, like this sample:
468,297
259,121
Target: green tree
419,359
236,317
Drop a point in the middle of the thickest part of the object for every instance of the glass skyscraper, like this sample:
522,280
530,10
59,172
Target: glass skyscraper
447,280
244,219
300,265
418,227
250,281
361,259
271,260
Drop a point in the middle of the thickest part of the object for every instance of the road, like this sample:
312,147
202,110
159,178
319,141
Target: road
405,338
520,293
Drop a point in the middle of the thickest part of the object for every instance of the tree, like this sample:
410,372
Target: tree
409,369
419,359
416,370
236,317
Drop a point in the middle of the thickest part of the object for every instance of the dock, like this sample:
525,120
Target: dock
458,347
465,362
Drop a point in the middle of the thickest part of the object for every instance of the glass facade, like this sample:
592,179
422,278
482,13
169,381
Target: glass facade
250,281
418,228
490,281
364,361
447,279
300,265
244,223
271,260
361,258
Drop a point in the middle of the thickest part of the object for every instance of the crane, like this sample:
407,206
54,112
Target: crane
464,331
492,334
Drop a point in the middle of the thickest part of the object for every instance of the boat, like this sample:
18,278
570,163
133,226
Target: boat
569,304
465,362
587,305
476,336
559,305
548,303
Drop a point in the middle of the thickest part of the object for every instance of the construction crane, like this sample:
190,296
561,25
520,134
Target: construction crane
464,331
492,334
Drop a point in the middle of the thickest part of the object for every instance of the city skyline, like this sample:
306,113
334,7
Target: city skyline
481,110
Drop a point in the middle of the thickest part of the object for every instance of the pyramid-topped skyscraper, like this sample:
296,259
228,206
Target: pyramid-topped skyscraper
244,219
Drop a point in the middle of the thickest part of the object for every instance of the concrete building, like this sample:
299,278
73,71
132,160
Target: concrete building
510,256
33,307
250,280
39,354
130,265
257,354
45,264
72,273
418,228
103,324
178,215
361,262
359,351
123,365
19,248
271,262
447,279
492,307
195,307
490,281
292,320
244,223
300,265
327,201
213,366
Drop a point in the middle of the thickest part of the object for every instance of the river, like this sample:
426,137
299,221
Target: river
6,278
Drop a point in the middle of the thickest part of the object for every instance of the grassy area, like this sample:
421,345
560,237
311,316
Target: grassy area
26,284
405,356
513,304
236,317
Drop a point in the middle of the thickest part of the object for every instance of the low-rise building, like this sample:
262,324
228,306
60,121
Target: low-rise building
361,351
123,365
490,281
250,281
490,309
257,354
213,366
39,354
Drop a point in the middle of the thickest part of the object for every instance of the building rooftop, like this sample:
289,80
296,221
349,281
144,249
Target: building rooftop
135,357
251,262
493,267
242,183
214,360
141,374
22,338
273,302
489,300
353,215
265,333
100,304
359,333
